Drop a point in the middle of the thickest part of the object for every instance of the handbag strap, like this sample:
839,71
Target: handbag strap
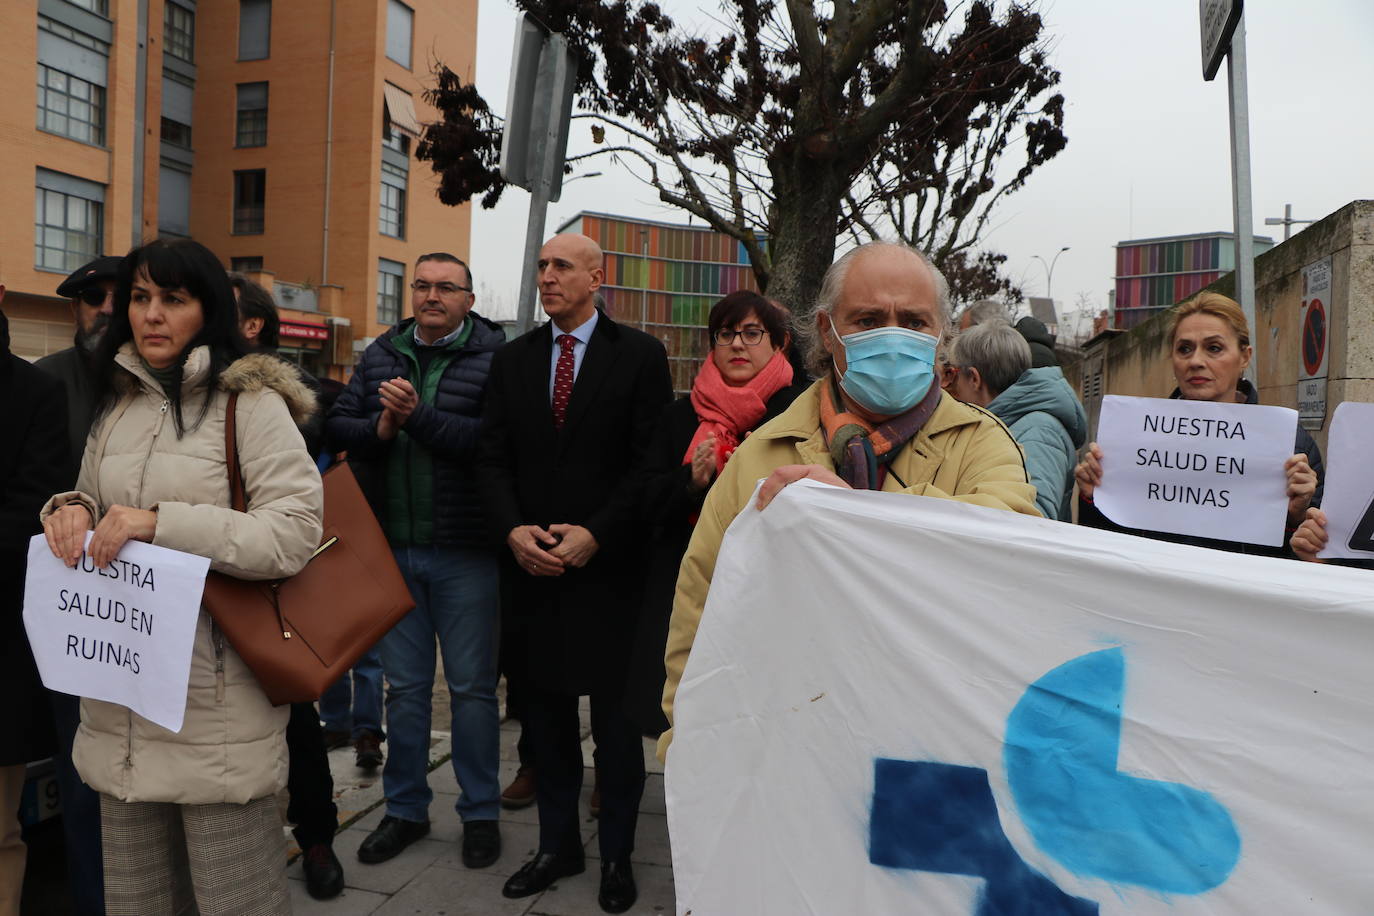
237,496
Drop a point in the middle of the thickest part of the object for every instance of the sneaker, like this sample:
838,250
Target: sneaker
520,792
368,750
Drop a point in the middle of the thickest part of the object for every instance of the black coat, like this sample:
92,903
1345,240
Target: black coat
668,507
76,372
448,428
1092,517
580,624
34,464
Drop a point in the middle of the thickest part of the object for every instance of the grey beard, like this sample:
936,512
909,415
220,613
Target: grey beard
88,341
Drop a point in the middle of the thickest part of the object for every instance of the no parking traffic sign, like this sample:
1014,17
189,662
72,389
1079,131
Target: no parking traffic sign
1314,324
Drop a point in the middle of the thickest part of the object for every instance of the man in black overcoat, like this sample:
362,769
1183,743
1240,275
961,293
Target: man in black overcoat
33,466
570,410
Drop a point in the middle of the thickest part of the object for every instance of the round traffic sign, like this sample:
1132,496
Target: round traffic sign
1314,337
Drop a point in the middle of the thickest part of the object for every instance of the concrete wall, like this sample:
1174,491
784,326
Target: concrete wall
1136,363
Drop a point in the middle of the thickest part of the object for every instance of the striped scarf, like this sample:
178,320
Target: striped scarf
861,451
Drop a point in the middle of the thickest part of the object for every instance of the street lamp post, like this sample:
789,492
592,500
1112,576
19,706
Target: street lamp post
1049,270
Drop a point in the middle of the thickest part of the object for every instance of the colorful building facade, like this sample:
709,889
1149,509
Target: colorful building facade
1154,274
664,278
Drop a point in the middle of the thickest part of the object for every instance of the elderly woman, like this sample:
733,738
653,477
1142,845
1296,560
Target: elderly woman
189,819
1210,348
745,381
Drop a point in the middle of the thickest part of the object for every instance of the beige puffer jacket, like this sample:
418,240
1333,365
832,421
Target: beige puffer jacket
231,747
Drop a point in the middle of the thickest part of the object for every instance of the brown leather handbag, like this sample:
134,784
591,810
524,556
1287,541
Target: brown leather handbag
301,634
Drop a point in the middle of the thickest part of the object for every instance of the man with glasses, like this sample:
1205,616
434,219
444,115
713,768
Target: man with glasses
91,291
409,420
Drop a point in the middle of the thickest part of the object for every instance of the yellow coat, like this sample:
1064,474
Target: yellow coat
962,453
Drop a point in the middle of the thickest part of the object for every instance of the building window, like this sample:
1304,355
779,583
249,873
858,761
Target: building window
250,201
252,115
75,36
394,139
390,277
245,265
70,106
179,32
255,29
99,7
400,22
176,133
391,215
68,221
173,201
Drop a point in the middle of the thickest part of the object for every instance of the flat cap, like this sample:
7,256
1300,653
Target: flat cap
105,268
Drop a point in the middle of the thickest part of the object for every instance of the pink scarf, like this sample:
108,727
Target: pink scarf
728,412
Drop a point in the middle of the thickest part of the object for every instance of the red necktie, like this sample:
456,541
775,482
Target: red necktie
563,379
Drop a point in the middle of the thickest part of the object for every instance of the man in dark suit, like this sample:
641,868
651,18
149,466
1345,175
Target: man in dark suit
569,413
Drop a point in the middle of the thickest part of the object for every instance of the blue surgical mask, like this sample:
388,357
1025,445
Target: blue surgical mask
888,370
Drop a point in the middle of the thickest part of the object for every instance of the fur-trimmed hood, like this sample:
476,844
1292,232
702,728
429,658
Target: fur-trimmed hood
254,372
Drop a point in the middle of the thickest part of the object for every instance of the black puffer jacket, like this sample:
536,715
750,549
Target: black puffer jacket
447,429
1092,517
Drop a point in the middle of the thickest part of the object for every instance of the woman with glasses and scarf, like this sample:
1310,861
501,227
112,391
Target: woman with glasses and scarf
745,381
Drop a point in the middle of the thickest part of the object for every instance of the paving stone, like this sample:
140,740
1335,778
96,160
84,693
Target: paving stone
519,843
651,842
352,902
445,892
390,876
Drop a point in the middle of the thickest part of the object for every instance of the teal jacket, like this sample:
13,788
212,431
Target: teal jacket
1045,416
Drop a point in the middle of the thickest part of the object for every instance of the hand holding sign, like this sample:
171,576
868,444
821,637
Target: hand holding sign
122,632
1349,497
1204,468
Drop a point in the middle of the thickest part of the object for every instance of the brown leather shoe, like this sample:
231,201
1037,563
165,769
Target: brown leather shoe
368,752
520,792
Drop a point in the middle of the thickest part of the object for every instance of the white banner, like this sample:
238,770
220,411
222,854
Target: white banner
907,705
1196,467
1349,495
123,633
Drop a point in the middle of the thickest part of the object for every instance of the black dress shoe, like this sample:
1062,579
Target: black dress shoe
481,843
541,871
324,876
391,836
618,891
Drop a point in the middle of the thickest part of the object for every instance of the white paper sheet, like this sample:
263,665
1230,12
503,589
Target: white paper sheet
1349,496
123,633
1196,467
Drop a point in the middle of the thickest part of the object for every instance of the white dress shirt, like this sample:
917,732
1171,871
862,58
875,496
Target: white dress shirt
582,334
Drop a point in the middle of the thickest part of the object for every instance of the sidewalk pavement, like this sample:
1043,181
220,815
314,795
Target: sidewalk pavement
429,877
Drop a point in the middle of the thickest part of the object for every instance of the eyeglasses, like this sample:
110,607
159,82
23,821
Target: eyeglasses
726,337
92,295
445,289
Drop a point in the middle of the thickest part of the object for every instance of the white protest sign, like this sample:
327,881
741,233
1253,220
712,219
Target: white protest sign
1199,468
123,633
1348,499
901,704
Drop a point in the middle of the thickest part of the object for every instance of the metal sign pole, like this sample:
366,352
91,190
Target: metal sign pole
1242,210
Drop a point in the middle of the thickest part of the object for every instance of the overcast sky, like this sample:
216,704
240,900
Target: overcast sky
1148,152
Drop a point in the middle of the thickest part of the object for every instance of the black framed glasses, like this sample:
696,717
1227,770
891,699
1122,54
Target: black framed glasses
726,337
444,289
92,296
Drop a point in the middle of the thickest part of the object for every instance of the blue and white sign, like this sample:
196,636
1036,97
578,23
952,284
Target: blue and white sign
907,705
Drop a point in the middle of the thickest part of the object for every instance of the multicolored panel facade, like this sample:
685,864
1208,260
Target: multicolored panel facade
664,278
1154,274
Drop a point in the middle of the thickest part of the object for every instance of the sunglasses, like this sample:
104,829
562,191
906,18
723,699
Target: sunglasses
92,295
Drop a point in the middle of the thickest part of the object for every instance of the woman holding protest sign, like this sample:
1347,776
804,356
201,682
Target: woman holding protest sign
1210,348
745,381
189,819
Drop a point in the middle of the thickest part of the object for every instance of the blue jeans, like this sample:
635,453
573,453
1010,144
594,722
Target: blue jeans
456,601
353,703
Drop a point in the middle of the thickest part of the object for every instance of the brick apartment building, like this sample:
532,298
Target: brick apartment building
281,135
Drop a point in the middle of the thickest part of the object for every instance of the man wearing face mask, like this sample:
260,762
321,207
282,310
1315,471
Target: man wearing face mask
876,419
91,290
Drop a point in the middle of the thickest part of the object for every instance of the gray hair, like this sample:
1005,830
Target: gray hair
996,349
805,330
985,310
